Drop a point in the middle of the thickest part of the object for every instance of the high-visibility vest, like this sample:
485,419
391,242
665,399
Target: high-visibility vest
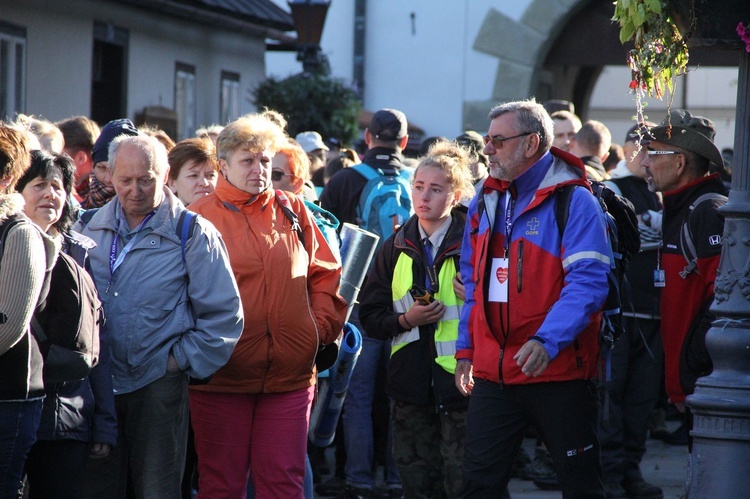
446,332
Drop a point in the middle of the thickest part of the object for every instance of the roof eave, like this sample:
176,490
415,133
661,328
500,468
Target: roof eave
260,28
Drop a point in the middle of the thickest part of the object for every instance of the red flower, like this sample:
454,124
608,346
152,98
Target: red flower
744,35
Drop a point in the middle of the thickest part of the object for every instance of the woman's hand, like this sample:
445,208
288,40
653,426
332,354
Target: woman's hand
422,313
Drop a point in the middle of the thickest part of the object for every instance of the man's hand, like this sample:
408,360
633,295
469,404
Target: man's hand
458,287
533,358
99,450
464,377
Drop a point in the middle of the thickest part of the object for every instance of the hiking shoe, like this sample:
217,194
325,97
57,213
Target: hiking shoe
358,493
390,492
642,490
547,483
614,491
657,424
677,437
522,460
540,466
333,487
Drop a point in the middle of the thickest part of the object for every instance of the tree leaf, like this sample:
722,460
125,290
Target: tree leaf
627,31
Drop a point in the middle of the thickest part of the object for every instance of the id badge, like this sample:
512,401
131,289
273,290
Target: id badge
499,281
659,278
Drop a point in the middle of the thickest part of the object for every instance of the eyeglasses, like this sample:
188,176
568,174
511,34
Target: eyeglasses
497,140
277,175
661,153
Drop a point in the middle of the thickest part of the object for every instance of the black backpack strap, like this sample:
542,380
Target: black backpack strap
562,206
86,216
286,207
687,245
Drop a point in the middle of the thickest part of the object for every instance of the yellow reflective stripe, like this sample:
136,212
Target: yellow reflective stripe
445,348
402,305
404,339
452,313
402,300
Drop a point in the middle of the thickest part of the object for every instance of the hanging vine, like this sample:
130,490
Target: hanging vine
660,54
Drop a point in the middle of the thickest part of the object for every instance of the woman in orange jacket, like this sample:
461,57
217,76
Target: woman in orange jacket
253,416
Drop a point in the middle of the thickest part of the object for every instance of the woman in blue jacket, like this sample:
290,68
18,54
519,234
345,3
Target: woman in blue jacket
429,413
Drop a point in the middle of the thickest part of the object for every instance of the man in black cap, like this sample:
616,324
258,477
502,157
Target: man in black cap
100,189
386,137
636,359
678,164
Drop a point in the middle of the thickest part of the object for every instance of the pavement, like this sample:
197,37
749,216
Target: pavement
663,465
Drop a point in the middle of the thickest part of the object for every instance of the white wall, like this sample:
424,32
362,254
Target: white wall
60,46
58,57
155,49
429,74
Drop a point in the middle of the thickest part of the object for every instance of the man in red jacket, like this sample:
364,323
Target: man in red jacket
678,164
528,345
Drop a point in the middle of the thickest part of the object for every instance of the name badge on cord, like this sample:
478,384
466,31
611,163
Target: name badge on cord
659,278
499,281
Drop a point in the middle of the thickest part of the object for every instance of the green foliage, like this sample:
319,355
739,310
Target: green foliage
660,52
312,101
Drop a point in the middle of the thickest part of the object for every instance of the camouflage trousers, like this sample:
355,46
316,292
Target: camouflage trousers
428,449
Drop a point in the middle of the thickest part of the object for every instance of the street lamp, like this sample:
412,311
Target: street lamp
309,17
721,402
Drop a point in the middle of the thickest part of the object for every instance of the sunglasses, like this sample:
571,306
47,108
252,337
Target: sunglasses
277,175
498,140
661,153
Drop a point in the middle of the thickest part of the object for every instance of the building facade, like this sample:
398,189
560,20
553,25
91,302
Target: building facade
181,64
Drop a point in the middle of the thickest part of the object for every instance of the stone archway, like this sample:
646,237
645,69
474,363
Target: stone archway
521,47
557,51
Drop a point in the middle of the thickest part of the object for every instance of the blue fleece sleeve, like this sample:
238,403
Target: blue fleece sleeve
466,267
586,256
215,301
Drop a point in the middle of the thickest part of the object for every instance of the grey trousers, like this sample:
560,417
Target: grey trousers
149,458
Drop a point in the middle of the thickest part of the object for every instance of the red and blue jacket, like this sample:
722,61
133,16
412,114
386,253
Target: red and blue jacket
557,284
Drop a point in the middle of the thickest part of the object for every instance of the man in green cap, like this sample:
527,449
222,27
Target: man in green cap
681,161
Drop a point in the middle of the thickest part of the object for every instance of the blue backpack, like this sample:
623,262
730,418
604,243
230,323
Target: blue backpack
385,203
327,223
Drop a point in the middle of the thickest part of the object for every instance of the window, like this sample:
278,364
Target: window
184,100
12,70
230,94
109,73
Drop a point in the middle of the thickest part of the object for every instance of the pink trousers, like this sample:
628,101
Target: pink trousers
264,433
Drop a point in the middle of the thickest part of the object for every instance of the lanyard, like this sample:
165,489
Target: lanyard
509,203
116,260
431,279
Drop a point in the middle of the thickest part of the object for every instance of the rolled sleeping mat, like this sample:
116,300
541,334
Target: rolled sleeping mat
357,250
332,390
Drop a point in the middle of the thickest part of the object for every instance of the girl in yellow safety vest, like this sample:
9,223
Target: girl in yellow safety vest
413,296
